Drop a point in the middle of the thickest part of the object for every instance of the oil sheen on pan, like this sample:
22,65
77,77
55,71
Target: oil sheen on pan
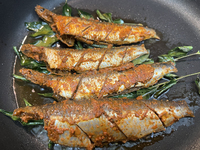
158,45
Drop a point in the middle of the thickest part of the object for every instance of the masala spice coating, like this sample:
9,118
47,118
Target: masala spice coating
91,31
90,122
83,60
104,82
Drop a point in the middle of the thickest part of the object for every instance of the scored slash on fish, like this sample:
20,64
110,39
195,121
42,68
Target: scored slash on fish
101,83
88,123
90,31
86,59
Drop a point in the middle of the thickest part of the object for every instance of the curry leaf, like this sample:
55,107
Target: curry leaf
101,16
108,17
128,95
50,145
26,102
67,11
10,114
46,94
43,70
181,49
165,58
141,59
32,123
118,21
15,118
171,76
19,77
40,28
177,52
28,62
165,87
197,53
85,15
148,61
99,46
146,93
35,26
47,41
78,45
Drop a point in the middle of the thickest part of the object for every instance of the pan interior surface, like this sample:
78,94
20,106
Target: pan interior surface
175,21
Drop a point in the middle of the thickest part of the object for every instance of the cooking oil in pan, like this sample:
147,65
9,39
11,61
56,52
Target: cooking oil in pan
28,91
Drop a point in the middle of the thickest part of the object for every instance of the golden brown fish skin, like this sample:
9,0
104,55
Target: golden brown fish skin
92,84
104,120
172,111
91,31
105,82
83,60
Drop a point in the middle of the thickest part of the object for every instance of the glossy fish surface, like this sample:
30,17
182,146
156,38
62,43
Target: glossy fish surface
92,122
105,82
86,59
90,31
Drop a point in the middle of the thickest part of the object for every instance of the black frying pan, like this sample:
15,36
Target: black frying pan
176,21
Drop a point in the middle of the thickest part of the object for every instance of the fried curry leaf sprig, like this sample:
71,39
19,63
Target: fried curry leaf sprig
15,118
27,103
19,77
156,90
173,55
197,53
176,54
67,10
42,29
46,94
30,63
144,59
108,17
85,15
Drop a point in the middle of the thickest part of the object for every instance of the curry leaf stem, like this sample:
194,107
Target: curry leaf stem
157,85
187,75
197,53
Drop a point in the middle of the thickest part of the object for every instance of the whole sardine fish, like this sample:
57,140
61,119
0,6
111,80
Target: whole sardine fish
83,60
90,31
90,123
102,83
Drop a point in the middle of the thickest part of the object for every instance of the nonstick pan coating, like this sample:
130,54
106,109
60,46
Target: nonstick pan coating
177,23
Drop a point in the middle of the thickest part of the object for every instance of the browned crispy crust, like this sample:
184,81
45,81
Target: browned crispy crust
97,83
105,120
85,59
91,31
